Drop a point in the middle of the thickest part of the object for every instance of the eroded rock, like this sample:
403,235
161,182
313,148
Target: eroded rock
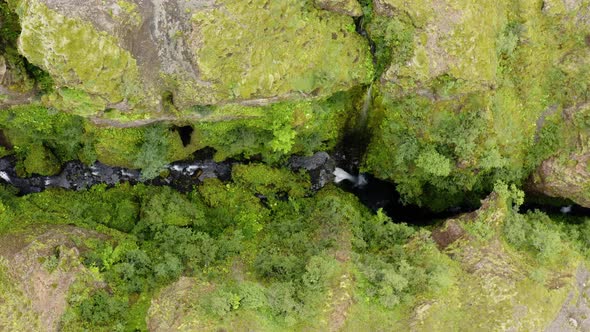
320,167
43,262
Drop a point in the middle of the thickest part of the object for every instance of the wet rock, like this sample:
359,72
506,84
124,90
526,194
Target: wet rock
320,167
75,175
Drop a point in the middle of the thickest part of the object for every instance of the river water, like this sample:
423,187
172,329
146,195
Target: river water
322,168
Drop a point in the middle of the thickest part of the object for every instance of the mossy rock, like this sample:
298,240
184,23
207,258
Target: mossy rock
192,53
566,173
463,102
346,7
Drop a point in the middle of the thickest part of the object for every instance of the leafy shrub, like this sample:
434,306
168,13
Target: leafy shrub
534,232
281,298
253,295
221,302
319,270
153,152
102,309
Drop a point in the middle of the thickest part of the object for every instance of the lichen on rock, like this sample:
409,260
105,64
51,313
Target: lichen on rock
191,53
78,56
346,7
278,50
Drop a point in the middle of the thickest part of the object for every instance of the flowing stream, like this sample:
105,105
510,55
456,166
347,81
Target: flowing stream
183,176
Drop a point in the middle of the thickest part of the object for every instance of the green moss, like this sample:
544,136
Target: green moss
16,313
129,14
59,45
277,130
486,96
269,181
319,54
75,101
42,139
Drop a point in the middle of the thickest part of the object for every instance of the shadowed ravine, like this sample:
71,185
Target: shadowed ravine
183,176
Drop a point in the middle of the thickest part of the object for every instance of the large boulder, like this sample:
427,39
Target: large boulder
16,85
154,58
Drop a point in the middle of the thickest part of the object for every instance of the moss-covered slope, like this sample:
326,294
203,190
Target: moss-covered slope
467,88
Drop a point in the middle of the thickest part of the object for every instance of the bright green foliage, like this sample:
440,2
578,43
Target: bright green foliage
234,205
534,232
390,269
41,139
433,163
319,51
270,181
278,130
274,131
75,101
153,151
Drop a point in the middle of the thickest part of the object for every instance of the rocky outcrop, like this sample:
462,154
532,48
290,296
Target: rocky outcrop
569,178
171,310
450,39
496,290
148,59
566,173
43,263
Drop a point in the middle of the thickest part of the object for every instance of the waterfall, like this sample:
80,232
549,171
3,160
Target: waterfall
341,175
364,116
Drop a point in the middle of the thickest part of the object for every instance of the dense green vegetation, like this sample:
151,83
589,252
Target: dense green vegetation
461,100
43,138
277,263
286,245
463,108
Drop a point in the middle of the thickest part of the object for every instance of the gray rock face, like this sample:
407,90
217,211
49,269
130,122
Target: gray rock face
154,32
320,167
564,178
